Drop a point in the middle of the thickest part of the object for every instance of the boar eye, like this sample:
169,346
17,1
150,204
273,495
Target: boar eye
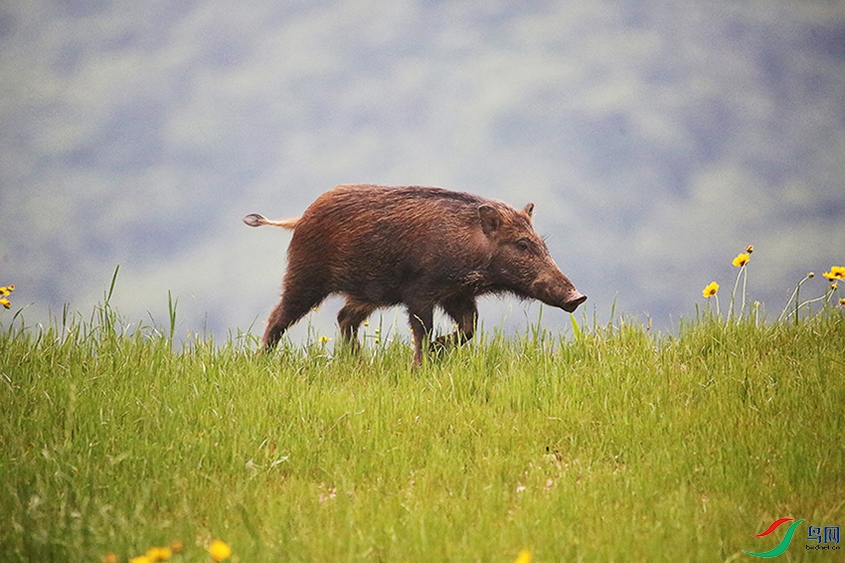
523,245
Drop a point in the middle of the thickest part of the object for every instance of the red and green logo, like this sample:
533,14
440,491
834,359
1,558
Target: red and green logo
784,543
819,538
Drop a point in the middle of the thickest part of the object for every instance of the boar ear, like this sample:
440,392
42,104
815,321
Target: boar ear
491,219
529,210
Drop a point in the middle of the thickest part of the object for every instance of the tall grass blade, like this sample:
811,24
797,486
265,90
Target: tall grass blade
171,310
576,330
111,286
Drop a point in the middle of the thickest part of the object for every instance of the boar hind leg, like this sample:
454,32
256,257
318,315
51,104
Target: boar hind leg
295,304
421,318
350,317
464,312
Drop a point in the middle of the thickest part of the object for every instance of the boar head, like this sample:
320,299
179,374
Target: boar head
520,262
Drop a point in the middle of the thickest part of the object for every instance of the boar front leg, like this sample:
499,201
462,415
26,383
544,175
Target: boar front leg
464,312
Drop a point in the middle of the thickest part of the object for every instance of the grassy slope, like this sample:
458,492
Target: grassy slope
615,446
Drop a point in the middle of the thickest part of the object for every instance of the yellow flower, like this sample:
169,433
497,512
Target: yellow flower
523,557
159,553
711,290
741,260
141,559
323,339
219,550
4,293
835,273
842,301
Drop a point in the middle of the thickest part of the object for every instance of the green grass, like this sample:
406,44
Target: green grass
617,445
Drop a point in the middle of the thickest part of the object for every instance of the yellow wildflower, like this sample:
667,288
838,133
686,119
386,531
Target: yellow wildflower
141,559
219,550
741,260
835,273
842,301
323,339
159,553
5,291
711,290
523,557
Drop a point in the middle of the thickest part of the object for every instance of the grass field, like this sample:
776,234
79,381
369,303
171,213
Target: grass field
614,444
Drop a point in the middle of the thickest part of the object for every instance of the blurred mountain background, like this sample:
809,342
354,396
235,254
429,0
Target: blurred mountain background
656,139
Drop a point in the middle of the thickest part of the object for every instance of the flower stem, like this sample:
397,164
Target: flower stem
791,297
733,295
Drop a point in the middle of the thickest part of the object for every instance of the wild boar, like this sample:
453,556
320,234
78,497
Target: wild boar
421,247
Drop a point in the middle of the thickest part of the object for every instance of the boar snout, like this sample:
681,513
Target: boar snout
576,299
558,291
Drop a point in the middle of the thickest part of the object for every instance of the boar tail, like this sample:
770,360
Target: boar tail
258,220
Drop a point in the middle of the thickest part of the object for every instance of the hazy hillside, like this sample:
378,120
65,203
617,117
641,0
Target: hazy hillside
655,141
